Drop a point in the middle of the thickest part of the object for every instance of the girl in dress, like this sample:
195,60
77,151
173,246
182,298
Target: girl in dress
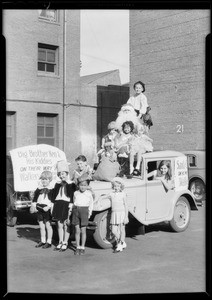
119,212
163,174
62,195
41,204
139,100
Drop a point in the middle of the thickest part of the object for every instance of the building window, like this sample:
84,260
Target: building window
10,131
47,59
47,129
192,161
50,15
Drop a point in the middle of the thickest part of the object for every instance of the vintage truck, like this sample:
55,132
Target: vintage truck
148,201
197,174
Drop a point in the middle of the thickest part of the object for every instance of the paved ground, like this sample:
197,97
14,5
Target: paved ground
158,262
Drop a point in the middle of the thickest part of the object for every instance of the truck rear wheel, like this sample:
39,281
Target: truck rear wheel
197,187
103,235
181,216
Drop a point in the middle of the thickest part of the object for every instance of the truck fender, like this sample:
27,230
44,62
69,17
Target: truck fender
101,204
188,195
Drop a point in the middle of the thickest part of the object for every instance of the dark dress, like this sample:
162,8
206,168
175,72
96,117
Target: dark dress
60,209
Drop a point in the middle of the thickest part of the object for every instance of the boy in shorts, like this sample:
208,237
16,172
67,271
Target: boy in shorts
81,212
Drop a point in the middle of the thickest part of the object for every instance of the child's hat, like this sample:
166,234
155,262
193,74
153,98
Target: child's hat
118,179
62,166
83,177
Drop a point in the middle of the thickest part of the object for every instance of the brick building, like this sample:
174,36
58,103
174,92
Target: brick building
43,78
168,54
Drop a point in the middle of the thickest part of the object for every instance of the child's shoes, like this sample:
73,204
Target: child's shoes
82,251
77,251
64,247
58,247
47,245
40,244
124,245
118,248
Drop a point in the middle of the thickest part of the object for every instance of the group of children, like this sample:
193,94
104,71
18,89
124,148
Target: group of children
70,202
128,136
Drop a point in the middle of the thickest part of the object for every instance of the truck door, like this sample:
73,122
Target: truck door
158,198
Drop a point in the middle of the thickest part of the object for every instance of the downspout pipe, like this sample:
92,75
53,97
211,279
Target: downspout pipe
64,79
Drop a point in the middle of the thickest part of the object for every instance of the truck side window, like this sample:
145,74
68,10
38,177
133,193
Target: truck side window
152,166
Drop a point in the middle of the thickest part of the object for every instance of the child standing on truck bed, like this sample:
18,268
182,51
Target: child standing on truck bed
42,205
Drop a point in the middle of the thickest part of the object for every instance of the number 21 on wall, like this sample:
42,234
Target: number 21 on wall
180,128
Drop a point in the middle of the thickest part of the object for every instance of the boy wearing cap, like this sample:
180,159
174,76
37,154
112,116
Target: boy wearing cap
62,195
82,210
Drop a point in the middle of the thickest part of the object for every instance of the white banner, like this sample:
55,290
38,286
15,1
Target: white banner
181,173
30,161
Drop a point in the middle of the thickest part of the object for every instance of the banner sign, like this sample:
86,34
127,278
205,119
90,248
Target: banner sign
30,161
181,173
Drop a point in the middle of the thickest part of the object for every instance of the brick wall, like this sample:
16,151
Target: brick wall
167,53
27,92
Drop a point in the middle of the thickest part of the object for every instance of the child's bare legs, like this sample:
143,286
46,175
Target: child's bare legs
60,231
116,232
139,158
83,231
42,232
122,233
66,229
131,162
77,236
49,232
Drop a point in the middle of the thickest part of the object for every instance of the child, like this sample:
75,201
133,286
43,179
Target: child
63,200
82,210
42,205
119,212
108,142
163,174
139,100
108,151
83,168
127,113
130,144
111,134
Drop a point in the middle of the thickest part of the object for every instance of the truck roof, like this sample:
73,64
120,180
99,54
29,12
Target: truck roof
163,154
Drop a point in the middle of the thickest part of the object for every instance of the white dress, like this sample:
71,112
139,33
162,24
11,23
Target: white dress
118,207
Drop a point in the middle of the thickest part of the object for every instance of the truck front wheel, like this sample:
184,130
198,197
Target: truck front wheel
103,235
181,216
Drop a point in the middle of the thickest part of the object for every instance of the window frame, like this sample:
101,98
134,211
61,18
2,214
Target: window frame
194,161
49,19
46,125
48,49
12,116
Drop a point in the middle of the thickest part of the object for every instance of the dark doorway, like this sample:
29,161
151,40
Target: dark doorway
109,101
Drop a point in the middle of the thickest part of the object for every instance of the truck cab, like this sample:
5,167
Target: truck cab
148,200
